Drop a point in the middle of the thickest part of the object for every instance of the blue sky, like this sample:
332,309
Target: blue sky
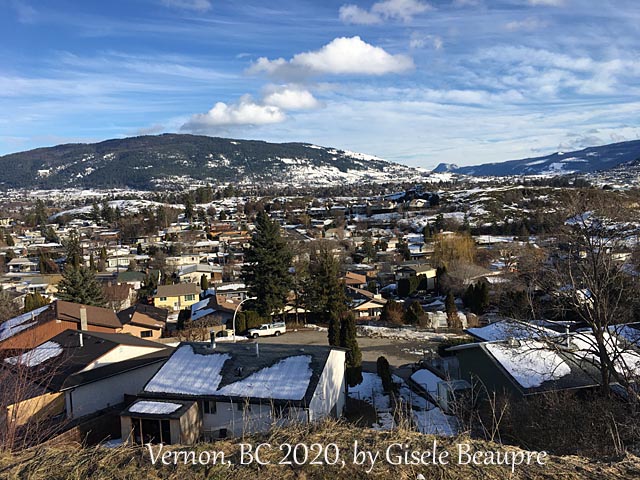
460,81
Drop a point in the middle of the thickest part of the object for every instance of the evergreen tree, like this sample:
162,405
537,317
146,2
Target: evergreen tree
188,207
102,264
333,332
8,239
96,215
40,214
413,314
453,320
79,285
107,212
92,263
392,312
354,356
368,249
74,250
266,271
403,249
33,301
46,265
204,283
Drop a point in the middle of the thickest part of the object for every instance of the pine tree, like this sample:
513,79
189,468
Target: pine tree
354,356
266,271
92,263
333,332
368,249
204,283
8,239
40,214
188,207
453,320
33,301
403,249
414,313
79,285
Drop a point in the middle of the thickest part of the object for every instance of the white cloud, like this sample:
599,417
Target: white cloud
342,56
421,41
466,3
358,16
245,112
403,10
552,3
195,5
527,24
290,98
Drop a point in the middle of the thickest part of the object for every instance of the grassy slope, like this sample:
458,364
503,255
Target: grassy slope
129,462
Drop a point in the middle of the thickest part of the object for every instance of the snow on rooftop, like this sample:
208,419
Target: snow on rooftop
231,286
427,380
501,330
531,363
286,380
189,373
158,408
38,355
19,323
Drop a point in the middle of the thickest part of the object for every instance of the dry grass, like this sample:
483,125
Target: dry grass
134,462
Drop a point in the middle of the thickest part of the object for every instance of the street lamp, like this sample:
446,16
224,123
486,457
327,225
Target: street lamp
236,312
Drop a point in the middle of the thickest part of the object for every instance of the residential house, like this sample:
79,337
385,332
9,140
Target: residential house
425,273
235,389
365,304
30,329
144,321
79,373
176,297
22,265
193,273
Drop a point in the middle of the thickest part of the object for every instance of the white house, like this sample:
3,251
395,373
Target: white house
227,390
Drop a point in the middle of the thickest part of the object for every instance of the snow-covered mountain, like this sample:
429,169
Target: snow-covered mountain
588,160
173,160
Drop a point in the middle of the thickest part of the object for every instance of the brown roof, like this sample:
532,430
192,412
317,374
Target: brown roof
98,316
144,315
177,290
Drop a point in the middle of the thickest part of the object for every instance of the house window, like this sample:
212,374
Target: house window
209,407
163,299
146,333
189,298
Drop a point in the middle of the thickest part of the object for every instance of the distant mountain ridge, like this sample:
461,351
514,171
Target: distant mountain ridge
587,160
163,161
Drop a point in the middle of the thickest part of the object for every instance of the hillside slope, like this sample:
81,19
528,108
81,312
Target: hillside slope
590,159
129,462
160,161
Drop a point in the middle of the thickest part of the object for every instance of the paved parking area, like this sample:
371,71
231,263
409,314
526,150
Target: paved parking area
399,353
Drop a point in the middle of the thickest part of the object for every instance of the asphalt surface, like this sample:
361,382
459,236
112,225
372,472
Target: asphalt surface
401,354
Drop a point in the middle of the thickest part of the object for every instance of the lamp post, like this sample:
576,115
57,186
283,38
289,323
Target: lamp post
236,312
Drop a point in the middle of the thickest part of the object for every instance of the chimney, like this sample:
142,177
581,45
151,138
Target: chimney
83,318
257,349
212,337
81,339
566,334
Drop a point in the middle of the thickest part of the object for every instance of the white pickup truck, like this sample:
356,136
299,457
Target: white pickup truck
268,329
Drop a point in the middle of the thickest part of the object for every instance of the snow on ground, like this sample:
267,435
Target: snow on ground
370,390
427,380
409,397
287,380
38,355
315,327
152,407
113,443
435,422
189,373
19,323
531,363
402,333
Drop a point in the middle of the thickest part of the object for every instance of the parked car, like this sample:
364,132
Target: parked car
268,329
